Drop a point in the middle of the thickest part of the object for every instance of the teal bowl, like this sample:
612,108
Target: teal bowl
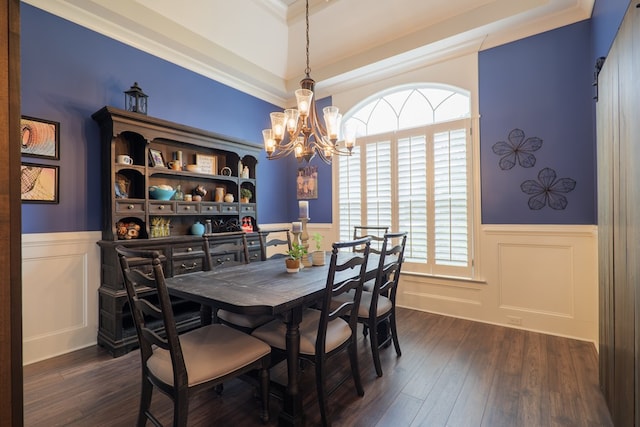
160,194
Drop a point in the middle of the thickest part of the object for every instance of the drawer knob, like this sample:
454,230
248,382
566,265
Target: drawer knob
161,207
130,207
186,208
209,208
189,249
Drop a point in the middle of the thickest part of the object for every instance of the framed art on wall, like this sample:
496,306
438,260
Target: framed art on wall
39,138
307,182
39,183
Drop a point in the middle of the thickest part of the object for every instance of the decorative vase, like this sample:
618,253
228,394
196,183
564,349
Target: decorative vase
293,265
197,229
317,258
228,198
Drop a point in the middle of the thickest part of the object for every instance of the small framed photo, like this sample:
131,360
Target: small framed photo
39,183
39,138
207,164
155,158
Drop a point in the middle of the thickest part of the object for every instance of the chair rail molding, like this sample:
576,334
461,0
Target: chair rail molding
60,280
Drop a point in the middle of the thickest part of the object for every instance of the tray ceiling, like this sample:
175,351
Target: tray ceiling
258,46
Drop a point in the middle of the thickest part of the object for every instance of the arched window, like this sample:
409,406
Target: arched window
411,171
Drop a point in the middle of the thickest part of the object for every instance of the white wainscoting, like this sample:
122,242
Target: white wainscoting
540,278
60,281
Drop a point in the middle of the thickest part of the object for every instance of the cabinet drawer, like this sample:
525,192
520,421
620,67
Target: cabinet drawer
187,208
164,207
187,265
229,208
209,208
129,206
248,208
188,250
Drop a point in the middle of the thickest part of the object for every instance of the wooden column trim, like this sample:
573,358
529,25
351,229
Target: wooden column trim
11,404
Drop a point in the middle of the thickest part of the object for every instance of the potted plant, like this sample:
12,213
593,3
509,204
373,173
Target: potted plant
317,256
245,195
296,253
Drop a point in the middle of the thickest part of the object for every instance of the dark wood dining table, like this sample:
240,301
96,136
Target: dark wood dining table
265,287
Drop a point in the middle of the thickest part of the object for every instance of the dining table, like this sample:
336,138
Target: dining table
265,287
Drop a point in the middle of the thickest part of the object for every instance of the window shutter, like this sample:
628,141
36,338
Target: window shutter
450,197
349,193
412,195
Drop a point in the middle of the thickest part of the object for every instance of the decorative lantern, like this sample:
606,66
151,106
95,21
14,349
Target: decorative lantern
135,99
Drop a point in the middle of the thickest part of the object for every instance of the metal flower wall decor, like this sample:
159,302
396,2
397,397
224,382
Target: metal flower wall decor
547,190
518,149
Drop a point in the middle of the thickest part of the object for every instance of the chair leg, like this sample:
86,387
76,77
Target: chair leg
355,369
321,390
394,333
181,408
264,391
145,401
375,350
365,330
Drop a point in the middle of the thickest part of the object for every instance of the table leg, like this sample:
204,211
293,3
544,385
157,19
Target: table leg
292,413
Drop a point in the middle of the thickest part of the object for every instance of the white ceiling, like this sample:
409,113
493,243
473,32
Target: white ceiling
258,46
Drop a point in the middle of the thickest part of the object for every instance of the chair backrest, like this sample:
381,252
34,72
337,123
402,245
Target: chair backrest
376,234
149,302
389,266
227,249
347,271
274,238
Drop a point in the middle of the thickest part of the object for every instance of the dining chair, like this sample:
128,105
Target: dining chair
179,365
225,250
379,305
279,239
375,232
324,333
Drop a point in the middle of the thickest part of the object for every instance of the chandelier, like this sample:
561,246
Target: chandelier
299,131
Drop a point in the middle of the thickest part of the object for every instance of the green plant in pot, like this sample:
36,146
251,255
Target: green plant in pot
293,261
317,256
245,195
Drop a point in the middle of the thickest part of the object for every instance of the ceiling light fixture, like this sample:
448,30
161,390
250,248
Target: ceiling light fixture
307,136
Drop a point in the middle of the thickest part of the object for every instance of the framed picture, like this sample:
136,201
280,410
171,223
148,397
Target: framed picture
39,138
207,164
155,158
39,183
307,182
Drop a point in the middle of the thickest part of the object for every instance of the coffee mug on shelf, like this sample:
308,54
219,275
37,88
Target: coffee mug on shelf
123,159
175,165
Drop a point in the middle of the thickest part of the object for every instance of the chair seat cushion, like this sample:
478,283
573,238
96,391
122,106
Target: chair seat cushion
243,320
209,352
384,303
274,333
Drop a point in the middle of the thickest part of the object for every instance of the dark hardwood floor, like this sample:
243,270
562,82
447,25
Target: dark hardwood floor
452,372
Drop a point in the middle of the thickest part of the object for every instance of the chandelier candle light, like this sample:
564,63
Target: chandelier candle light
307,136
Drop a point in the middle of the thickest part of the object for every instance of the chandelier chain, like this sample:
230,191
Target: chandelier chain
307,70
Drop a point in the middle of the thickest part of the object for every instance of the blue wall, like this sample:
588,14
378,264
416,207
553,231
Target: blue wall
541,85
69,72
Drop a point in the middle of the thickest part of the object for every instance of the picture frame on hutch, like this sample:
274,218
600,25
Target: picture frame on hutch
155,158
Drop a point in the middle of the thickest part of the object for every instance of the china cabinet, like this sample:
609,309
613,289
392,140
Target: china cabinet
161,181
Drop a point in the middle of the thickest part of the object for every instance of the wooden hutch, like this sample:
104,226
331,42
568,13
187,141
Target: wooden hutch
132,218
